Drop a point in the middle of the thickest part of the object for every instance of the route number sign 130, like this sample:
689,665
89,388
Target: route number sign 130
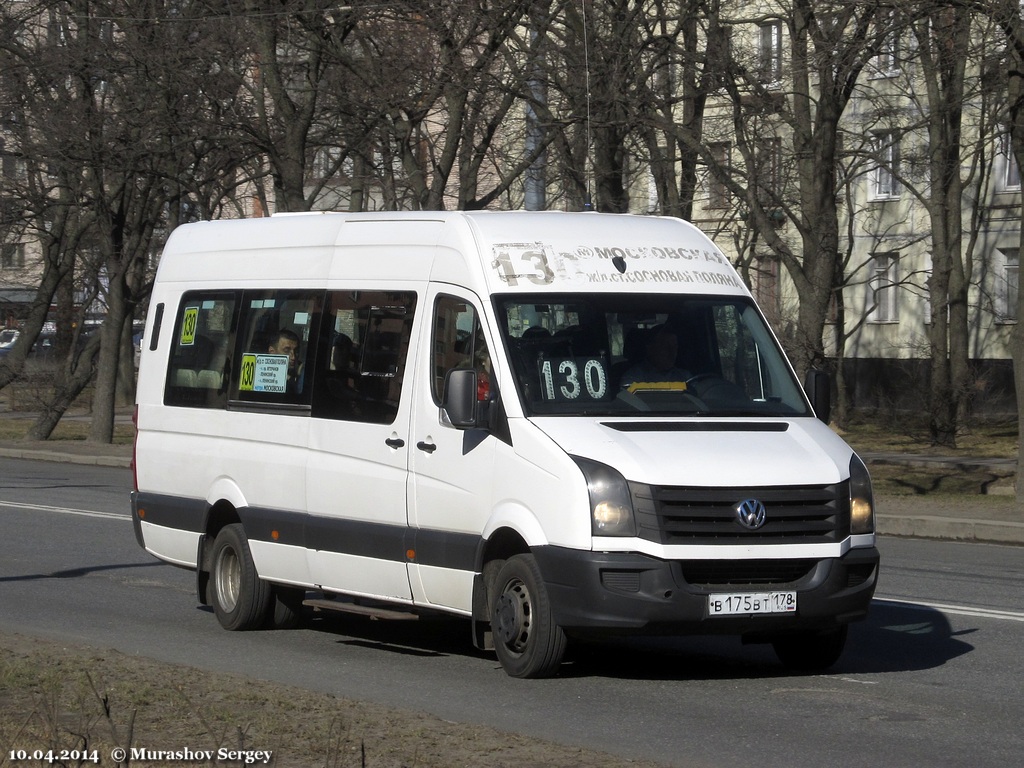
572,378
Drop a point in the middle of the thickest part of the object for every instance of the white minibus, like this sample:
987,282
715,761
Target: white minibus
555,425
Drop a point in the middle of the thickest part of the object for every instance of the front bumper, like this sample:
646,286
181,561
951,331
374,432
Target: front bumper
604,593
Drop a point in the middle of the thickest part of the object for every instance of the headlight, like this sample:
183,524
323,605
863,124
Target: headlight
862,502
611,507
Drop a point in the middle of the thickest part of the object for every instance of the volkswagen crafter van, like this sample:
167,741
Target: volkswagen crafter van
555,425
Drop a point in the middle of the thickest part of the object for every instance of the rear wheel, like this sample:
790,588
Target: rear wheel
526,639
286,612
811,651
241,600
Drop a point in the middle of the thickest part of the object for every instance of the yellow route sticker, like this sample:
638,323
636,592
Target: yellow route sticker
188,326
248,373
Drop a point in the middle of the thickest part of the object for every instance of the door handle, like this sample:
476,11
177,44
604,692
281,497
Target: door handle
425,446
394,442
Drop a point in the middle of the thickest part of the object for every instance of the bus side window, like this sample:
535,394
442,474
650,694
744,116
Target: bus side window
200,357
362,354
458,342
278,332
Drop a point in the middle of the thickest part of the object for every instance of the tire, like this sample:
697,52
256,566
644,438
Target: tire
811,651
241,600
286,612
526,639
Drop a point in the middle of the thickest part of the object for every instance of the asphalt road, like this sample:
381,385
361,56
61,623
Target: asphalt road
932,678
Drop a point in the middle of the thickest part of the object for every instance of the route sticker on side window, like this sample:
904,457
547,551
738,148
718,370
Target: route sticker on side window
189,321
264,373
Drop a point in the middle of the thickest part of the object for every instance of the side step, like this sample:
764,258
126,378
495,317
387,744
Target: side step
373,612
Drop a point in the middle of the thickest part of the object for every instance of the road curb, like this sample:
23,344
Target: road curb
95,460
951,528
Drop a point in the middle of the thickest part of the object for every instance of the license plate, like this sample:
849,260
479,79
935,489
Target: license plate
751,602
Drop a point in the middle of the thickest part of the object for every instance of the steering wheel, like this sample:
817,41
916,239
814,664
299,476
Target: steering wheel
700,377
717,388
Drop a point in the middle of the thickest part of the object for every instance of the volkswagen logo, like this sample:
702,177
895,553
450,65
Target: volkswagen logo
750,513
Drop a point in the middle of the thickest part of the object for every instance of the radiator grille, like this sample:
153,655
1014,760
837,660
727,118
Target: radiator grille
706,573
795,515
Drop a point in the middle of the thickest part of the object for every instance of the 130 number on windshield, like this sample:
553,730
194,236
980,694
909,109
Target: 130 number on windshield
569,379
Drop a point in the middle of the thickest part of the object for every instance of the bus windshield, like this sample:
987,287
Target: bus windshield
663,354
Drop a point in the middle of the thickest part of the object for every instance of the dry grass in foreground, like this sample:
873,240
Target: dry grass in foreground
61,697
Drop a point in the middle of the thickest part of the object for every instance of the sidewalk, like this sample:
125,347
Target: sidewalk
936,516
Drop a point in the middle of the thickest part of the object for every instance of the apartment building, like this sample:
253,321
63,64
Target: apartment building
879,320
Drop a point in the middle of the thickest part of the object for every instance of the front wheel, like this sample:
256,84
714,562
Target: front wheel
811,651
241,599
527,640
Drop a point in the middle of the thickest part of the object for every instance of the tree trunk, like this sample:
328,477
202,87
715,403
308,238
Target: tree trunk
70,383
942,43
101,430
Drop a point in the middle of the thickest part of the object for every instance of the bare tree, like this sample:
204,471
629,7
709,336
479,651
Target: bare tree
688,57
1006,15
445,128
829,45
152,101
285,82
45,197
113,122
943,53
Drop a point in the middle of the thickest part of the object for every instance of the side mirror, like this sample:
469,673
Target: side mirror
459,400
818,386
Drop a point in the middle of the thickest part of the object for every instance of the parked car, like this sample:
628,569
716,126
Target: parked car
8,336
42,349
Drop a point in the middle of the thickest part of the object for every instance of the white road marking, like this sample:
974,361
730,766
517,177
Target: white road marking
958,610
65,510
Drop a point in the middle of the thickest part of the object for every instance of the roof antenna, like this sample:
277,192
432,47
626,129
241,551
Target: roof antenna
588,200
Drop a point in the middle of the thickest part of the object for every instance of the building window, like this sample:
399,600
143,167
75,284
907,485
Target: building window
718,191
887,62
885,176
926,291
1006,166
1007,282
884,290
769,60
766,286
12,256
58,28
10,164
768,173
329,163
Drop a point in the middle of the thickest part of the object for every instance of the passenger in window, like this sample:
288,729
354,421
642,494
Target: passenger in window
341,354
659,364
343,384
482,364
337,395
286,343
479,359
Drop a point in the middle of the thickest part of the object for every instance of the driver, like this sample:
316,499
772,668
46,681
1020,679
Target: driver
659,363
